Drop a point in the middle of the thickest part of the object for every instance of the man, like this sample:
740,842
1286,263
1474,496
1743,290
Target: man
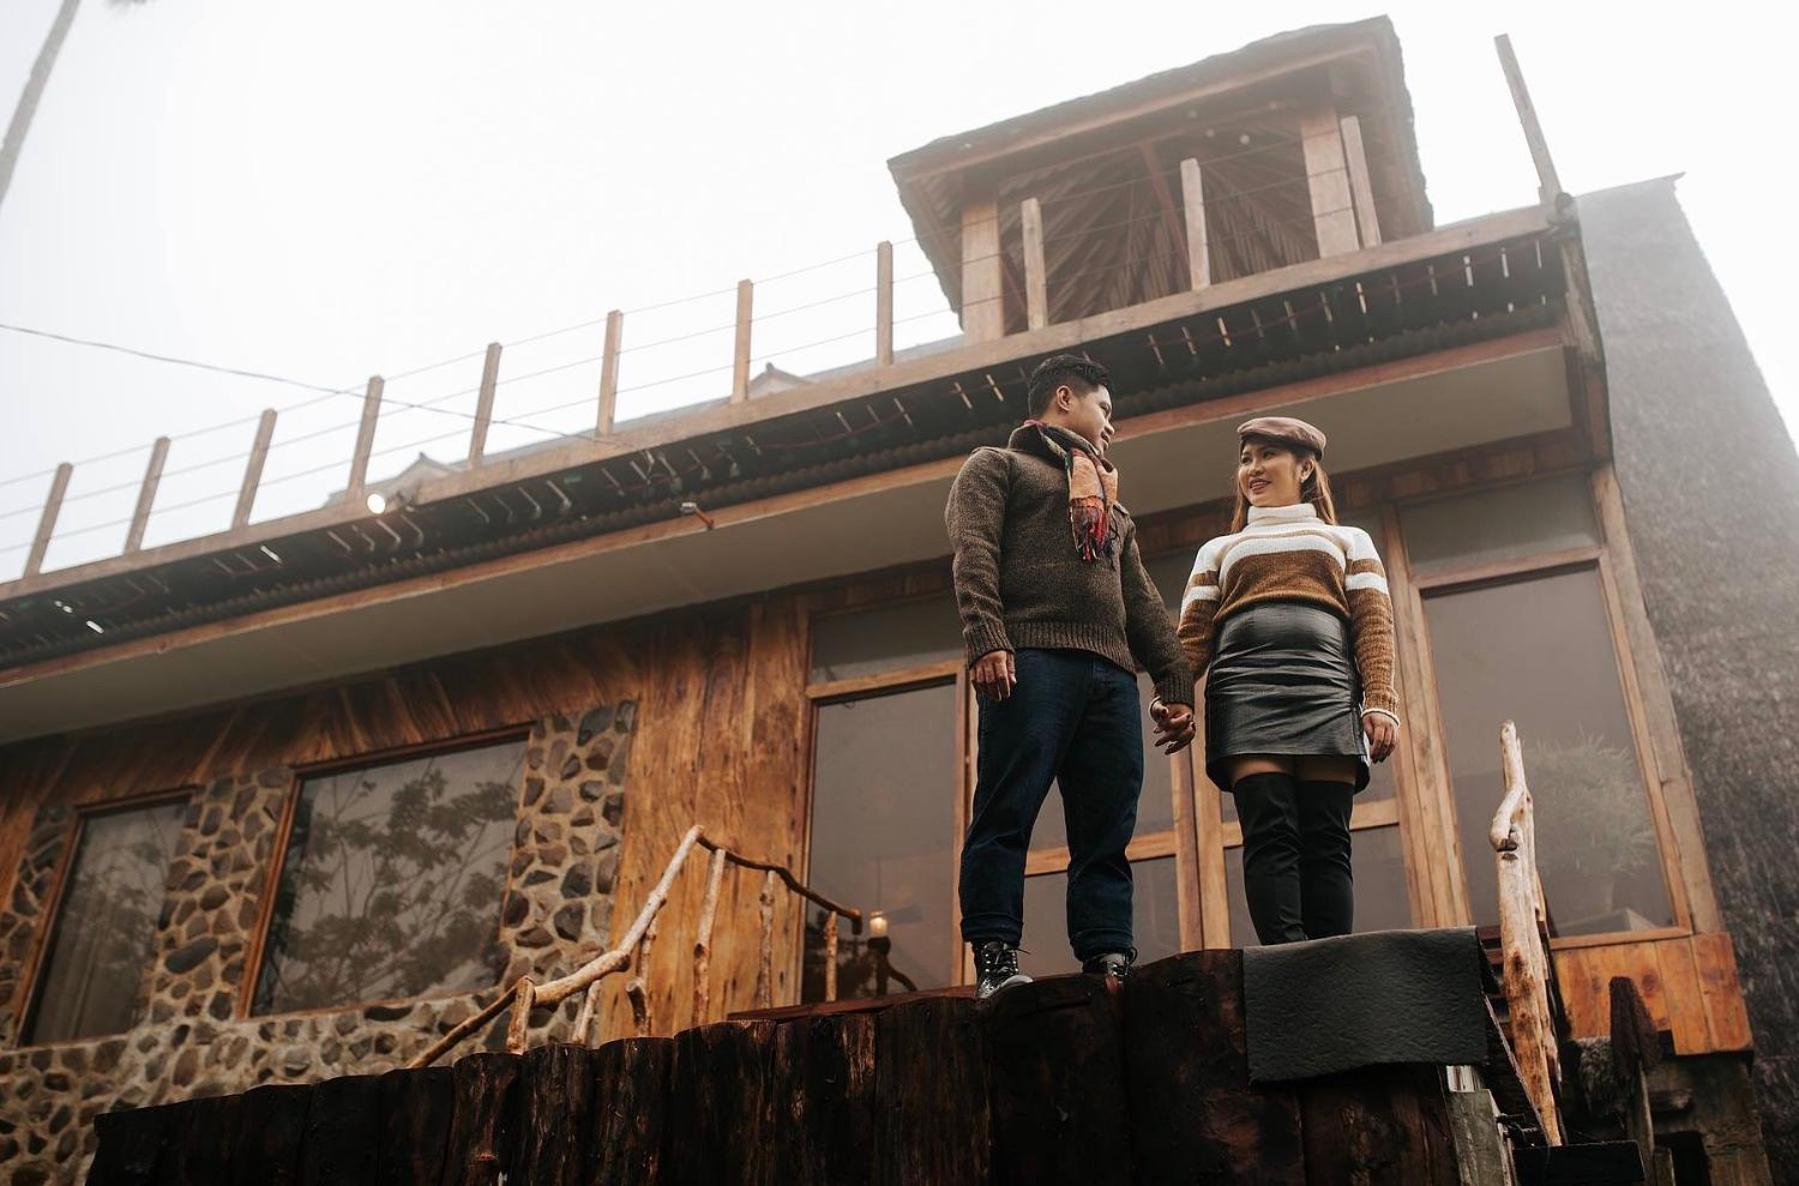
1056,613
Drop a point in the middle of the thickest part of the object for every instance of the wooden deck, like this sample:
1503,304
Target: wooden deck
1072,1079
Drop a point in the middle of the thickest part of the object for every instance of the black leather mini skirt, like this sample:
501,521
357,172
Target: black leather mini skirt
1283,683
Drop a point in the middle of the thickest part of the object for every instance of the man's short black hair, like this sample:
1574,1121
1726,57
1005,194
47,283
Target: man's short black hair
1063,370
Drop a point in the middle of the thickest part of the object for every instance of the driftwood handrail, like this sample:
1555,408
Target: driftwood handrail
633,951
1523,917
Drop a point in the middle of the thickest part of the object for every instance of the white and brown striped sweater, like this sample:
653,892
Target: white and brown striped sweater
1290,554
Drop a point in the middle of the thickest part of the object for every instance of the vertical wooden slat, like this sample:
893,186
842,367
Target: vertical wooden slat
1036,286
1199,258
490,377
883,303
1549,185
259,453
1361,185
1186,853
615,332
46,524
983,311
740,359
146,495
1333,214
365,438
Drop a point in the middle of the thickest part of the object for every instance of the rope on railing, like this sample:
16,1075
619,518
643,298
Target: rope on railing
633,951
1522,919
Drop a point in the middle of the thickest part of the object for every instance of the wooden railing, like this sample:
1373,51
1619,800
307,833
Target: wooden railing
1523,923
632,953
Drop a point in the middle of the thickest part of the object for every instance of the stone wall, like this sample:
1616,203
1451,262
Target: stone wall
557,912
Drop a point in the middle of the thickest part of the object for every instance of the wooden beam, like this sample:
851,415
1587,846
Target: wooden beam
1667,754
1036,284
1199,257
46,524
1327,175
259,453
1361,185
1152,165
146,495
983,308
1549,185
1064,335
608,413
883,303
365,439
740,359
490,376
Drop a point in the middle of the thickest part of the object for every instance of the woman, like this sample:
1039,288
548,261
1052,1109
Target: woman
1290,612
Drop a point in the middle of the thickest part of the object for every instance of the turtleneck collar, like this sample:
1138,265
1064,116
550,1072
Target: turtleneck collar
1299,512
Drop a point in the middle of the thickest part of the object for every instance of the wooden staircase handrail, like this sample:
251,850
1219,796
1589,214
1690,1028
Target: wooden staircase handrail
633,949
1523,916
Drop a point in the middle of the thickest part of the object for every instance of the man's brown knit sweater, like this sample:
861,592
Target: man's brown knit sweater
1020,582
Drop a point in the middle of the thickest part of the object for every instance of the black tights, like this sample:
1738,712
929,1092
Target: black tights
1296,871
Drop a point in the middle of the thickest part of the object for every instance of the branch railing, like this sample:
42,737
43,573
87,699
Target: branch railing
633,950
1523,923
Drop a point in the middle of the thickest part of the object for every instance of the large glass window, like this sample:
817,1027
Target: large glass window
1493,526
884,837
105,926
885,638
392,881
1539,652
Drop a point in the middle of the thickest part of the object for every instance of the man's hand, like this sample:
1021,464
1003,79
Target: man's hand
1383,734
994,675
1175,726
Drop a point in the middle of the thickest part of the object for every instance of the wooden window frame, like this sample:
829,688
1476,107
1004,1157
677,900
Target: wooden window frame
1601,559
257,946
36,959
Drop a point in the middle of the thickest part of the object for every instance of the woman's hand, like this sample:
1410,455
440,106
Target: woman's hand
1383,734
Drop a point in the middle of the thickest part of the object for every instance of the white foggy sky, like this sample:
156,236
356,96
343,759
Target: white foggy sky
328,190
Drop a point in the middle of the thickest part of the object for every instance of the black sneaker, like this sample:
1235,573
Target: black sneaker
996,967
1116,964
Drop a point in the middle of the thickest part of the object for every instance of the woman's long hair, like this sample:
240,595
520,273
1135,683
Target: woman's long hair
1315,490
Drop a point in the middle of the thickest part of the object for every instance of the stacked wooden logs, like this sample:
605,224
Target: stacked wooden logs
1073,1079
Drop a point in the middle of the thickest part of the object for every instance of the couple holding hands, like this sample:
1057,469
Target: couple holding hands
1287,617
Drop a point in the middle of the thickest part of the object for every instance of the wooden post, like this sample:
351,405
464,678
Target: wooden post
519,1025
830,956
983,306
1199,259
765,964
883,303
637,989
740,360
1524,970
490,377
1333,213
365,439
1549,185
259,453
702,940
1036,286
615,332
146,495
46,524
1361,185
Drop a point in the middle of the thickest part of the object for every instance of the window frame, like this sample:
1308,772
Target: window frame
257,948
37,960
1451,579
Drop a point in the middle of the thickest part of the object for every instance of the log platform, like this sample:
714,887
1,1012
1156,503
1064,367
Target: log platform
1073,1079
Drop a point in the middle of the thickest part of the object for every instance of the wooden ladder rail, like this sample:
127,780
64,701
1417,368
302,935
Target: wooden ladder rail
633,949
1523,921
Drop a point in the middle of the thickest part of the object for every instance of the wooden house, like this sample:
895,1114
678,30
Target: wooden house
296,799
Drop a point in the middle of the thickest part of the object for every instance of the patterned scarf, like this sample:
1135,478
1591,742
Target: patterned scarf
1092,489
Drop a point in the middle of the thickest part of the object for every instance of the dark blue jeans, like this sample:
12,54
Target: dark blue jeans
1073,719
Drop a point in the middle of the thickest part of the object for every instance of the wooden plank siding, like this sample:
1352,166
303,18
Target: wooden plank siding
720,741
1689,983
